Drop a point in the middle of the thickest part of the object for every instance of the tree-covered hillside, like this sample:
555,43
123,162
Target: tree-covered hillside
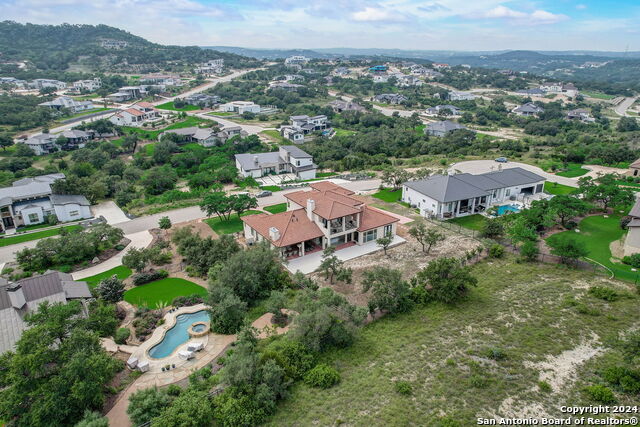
57,47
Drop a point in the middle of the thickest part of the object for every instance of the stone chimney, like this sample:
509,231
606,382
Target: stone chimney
274,234
255,160
311,206
16,296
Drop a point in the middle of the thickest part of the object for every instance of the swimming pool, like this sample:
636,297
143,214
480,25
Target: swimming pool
178,334
508,209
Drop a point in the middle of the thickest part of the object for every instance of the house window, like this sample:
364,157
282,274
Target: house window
507,193
388,229
33,217
297,162
74,213
370,235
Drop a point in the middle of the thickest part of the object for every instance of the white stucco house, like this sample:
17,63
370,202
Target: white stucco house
289,159
450,196
240,107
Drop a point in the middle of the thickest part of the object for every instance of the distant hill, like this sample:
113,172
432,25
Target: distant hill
61,47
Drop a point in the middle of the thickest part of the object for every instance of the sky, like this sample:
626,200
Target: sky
464,25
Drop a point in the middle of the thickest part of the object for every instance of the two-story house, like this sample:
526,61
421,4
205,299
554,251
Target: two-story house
288,159
136,115
328,215
303,125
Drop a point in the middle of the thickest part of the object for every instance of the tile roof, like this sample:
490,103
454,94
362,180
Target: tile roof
373,218
132,111
330,204
328,185
293,227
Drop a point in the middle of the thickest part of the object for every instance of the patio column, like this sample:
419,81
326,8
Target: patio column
457,207
473,206
302,249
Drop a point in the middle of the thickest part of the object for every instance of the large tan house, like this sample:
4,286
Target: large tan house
326,215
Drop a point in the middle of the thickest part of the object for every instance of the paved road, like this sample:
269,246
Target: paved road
482,166
250,129
621,109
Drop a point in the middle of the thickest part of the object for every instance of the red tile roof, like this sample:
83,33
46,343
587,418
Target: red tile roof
330,204
327,185
145,104
373,218
293,226
133,112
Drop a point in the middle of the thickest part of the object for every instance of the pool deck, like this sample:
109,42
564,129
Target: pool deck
215,345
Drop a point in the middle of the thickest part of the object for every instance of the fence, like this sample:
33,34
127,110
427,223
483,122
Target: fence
541,257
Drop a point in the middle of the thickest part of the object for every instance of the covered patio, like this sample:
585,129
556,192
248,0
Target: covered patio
464,207
301,249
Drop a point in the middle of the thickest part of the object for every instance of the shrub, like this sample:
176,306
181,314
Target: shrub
632,260
529,250
625,379
624,221
585,309
292,356
478,381
119,247
496,353
188,300
544,386
496,251
149,276
403,387
122,334
174,390
600,393
601,292
322,376
571,225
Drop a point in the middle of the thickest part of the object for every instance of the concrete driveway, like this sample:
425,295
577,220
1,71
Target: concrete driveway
110,211
621,109
481,166
138,240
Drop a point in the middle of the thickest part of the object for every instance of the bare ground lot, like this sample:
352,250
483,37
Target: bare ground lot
407,257
526,311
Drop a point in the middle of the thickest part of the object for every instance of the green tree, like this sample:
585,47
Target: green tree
627,124
130,143
67,370
227,310
5,141
333,268
164,223
384,242
217,202
159,179
146,404
492,228
395,177
445,279
191,409
110,289
529,250
389,292
427,237
93,419
567,207
276,302
605,191
568,249
136,259
242,203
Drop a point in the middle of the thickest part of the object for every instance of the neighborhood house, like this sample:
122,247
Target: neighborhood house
30,201
23,297
442,128
240,107
328,215
450,196
288,159
303,125
68,103
136,115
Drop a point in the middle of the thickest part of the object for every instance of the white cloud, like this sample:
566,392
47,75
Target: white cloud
377,14
533,18
581,6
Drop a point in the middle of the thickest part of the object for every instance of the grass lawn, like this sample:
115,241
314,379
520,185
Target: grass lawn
172,107
85,113
153,134
228,226
344,132
597,95
472,222
442,351
597,233
26,237
280,207
325,174
388,195
162,292
271,188
573,170
558,189
121,271
274,135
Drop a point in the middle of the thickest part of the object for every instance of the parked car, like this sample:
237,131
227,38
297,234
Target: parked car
502,160
264,193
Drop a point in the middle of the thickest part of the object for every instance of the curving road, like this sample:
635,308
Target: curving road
621,109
